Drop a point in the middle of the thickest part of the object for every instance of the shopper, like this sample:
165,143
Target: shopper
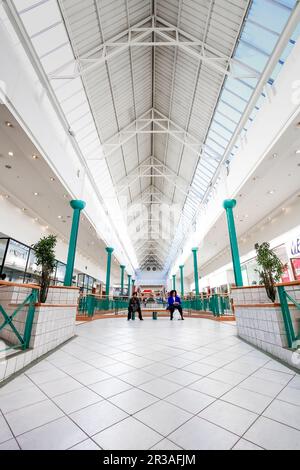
174,302
134,306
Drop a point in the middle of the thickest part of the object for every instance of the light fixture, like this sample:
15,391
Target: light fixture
6,196
8,124
35,157
275,155
60,217
11,154
52,179
298,151
36,194
271,191
24,209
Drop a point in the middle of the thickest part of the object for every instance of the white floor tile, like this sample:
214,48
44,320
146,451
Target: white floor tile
182,377
73,401
86,445
246,445
46,376
265,387
129,434
163,417
9,445
111,387
285,413
165,444
33,416
200,368
91,377
228,377
273,376
59,387
58,435
290,395
160,387
247,399
136,377
5,432
273,436
177,362
95,418
295,382
230,417
198,434
20,399
118,369
211,387
76,368
159,369
133,400
190,400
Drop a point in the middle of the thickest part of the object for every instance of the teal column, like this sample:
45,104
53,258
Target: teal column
174,281
109,253
122,267
129,285
181,280
196,275
133,285
77,207
228,205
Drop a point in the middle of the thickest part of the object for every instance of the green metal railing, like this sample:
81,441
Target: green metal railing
24,337
217,304
284,297
91,304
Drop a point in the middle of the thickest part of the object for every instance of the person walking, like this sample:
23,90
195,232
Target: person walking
134,306
174,302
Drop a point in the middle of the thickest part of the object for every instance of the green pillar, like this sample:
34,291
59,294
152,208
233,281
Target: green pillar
133,285
109,253
196,275
181,280
174,281
122,267
228,205
129,285
77,207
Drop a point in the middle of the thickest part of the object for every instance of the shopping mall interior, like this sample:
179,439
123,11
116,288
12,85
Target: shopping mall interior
147,147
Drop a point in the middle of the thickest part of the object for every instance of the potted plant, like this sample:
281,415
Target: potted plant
45,258
270,268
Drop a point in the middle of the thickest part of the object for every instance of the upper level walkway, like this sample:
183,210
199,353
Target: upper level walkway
153,385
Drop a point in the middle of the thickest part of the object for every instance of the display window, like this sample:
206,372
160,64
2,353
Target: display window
296,268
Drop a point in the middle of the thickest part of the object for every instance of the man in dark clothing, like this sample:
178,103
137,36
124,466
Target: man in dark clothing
134,306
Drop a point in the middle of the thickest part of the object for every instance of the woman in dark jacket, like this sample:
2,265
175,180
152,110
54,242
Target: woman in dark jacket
134,306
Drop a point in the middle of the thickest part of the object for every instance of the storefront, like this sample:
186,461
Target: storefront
293,251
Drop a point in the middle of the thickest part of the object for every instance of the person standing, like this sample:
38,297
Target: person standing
174,302
134,306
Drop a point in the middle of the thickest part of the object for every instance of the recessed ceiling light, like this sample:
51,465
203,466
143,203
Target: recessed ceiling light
7,196
52,179
36,194
271,191
60,216
35,157
24,209
8,124
11,154
275,155
298,151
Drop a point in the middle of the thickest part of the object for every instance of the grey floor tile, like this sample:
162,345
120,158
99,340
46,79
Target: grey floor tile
198,434
129,434
95,418
163,417
230,417
273,436
58,435
33,416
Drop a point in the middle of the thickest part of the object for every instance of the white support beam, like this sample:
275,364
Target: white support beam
140,35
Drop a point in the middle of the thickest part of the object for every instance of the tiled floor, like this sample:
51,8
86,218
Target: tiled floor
153,385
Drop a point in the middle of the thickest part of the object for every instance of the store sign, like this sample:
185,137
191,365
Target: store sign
295,247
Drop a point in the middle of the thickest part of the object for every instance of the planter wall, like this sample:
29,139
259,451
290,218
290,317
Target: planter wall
260,322
54,323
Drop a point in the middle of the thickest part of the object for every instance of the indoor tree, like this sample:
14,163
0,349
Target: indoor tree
45,258
270,268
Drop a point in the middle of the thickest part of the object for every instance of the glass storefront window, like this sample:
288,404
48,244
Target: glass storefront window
3,245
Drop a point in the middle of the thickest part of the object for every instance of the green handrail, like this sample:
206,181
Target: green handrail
24,341
292,337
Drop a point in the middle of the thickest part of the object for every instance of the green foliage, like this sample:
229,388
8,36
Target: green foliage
270,268
45,257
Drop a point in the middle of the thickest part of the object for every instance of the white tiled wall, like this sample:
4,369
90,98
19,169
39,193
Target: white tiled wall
263,326
52,325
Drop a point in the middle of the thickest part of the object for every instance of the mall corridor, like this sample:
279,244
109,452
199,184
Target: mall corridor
149,174
153,385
